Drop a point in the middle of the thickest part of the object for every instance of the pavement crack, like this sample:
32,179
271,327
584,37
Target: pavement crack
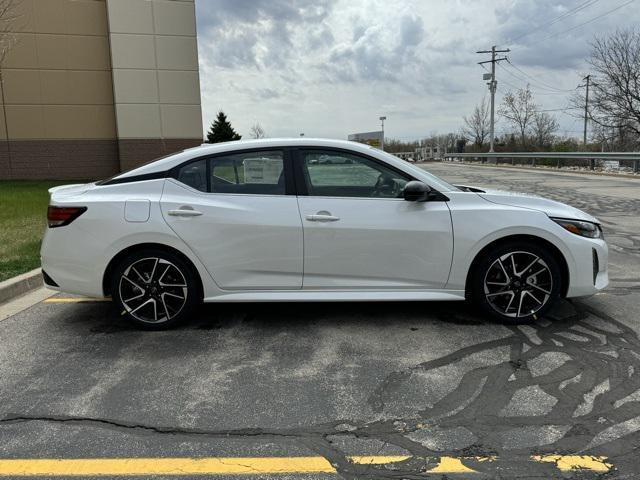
121,425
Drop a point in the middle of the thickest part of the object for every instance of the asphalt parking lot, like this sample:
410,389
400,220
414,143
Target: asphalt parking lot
394,390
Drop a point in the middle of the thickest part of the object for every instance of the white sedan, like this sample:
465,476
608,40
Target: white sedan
312,220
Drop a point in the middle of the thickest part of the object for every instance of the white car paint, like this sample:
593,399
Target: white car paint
263,247
244,241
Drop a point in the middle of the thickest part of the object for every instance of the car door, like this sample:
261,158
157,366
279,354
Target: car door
237,212
358,230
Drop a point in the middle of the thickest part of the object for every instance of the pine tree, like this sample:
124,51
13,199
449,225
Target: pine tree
221,130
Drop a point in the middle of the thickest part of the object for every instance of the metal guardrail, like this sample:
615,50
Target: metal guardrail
632,158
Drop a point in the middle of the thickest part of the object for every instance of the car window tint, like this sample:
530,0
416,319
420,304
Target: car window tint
337,174
194,174
259,173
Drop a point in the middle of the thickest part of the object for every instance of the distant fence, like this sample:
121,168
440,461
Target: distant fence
608,161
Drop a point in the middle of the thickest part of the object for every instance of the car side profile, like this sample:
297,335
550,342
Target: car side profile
312,220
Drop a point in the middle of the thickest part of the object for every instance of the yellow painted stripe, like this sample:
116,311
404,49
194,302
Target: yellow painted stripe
75,300
95,467
451,465
576,462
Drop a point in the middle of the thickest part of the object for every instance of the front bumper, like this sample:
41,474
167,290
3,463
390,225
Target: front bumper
590,273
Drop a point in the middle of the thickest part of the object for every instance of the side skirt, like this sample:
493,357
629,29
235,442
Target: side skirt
338,296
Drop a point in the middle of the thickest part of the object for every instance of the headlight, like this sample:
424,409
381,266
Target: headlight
580,227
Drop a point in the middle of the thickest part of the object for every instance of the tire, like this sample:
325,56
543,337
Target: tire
155,289
516,282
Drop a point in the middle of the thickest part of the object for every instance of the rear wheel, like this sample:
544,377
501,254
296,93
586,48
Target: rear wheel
516,282
155,289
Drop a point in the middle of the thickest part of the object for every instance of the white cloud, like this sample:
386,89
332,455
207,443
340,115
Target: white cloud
331,67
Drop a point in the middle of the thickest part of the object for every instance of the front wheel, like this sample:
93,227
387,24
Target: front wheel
155,289
516,282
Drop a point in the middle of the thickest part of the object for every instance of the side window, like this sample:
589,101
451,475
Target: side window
194,174
337,174
258,173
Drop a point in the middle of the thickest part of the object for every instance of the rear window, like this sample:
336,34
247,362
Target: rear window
256,173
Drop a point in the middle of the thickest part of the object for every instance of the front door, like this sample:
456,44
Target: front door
233,211
360,233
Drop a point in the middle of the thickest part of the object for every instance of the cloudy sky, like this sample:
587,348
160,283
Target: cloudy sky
332,67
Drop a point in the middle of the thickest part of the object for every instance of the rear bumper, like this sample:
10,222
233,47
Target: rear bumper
71,265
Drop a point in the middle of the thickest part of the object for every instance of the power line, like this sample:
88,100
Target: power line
549,87
585,23
555,20
523,79
558,109
545,91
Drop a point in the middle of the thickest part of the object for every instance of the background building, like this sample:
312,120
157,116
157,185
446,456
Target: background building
92,87
370,138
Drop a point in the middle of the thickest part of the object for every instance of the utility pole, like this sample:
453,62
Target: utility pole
382,119
492,85
587,79
586,108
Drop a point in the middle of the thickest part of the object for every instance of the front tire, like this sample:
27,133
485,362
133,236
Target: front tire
155,289
516,282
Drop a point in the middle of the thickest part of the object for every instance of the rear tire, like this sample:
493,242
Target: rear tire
155,289
516,282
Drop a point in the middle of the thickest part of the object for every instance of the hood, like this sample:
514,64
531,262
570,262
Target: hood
534,202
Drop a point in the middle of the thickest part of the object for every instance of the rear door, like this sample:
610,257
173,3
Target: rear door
360,233
237,212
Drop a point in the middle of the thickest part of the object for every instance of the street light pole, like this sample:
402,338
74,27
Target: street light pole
382,119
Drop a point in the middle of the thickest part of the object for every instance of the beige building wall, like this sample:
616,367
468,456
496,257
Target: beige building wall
58,118
156,83
92,87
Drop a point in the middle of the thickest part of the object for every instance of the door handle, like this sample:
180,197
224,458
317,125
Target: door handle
322,218
184,212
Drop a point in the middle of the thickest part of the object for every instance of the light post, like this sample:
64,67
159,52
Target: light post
382,119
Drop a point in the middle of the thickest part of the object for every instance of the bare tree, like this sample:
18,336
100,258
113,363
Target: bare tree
476,127
614,99
257,131
543,128
520,110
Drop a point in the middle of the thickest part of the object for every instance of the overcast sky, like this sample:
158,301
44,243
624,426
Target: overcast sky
332,67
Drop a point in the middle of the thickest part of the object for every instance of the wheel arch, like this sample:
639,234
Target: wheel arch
524,238
106,278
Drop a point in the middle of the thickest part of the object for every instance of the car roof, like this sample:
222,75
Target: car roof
170,161
167,163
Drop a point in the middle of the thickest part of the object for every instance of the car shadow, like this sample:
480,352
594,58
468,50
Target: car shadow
103,317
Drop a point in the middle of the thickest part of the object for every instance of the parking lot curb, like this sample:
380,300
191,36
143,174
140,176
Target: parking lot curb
17,286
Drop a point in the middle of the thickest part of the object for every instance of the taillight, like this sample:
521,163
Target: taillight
61,216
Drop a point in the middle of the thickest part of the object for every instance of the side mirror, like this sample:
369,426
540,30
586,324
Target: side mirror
416,191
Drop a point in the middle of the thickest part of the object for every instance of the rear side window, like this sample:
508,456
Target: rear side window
258,173
195,175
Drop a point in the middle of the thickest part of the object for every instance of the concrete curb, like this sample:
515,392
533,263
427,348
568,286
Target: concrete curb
16,286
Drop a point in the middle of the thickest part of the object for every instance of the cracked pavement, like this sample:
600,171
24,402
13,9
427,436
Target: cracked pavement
423,380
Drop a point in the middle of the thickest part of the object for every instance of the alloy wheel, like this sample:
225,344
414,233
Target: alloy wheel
518,284
153,290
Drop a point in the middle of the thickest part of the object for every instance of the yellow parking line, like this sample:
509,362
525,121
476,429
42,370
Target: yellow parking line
95,467
75,300
576,462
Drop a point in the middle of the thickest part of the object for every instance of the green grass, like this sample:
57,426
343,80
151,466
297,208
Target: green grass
23,218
